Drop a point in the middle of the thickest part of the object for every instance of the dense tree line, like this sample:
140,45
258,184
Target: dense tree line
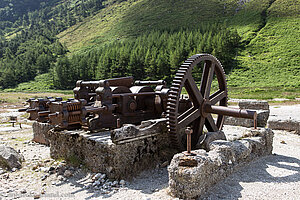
28,42
155,55
29,46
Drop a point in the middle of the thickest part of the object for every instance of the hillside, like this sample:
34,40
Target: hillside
135,17
93,35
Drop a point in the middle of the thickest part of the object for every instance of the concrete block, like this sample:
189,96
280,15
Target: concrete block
191,176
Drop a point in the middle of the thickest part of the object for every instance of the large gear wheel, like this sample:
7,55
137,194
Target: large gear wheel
197,116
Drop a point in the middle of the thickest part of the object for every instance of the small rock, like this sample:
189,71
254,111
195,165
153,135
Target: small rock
10,158
23,191
44,177
164,164
2,171
9,191
103,176
14,169
283,142
61,178
44,169
97,176
115,183
68,173
37,196
122,182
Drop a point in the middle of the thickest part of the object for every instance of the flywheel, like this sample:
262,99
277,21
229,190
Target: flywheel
201,97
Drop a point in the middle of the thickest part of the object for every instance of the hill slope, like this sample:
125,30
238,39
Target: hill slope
266,59
134,17
271,60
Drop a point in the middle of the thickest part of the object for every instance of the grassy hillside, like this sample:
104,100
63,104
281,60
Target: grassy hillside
134,17
270,62
267,61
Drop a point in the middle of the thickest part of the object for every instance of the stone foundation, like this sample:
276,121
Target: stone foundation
261,108
287,125
121,156
40,132
191,176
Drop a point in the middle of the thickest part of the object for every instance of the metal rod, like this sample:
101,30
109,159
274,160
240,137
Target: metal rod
124,81
141,83
188,133
118,123
255,121
133,94
233,112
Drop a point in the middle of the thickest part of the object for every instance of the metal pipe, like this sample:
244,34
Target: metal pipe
233,112
133,94
141,83
124,81
188,133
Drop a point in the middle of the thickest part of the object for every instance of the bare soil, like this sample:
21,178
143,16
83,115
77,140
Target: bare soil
272,177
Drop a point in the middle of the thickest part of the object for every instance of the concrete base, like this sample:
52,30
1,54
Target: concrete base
261,108
288,125
118,156
191,176
40,132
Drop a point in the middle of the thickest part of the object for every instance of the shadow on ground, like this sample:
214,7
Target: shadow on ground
270,171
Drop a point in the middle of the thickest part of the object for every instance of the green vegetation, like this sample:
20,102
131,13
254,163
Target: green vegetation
93,39
28,42
133,18
152,56
270,61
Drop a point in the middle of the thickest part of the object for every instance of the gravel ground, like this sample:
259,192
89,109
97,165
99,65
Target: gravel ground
272,177
285,112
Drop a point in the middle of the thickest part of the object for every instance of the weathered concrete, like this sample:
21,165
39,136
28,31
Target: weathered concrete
40,132
254,105
209,137
119,156
192,176
288,125
283,117
261,108
10,158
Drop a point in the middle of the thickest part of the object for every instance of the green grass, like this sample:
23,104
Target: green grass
19,98
272,58
135,17
267,63
265,93
41,83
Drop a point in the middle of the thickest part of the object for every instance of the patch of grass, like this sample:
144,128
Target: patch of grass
263,93
135,17
74,160
20,97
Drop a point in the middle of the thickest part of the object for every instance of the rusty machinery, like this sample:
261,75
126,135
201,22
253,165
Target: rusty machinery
113,102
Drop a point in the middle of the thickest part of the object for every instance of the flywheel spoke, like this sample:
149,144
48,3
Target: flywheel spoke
217,96
210,124
204,78
193,90
200,97
197,130
192,116
209,80
186,113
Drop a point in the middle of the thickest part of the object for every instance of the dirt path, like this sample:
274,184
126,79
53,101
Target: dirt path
273,177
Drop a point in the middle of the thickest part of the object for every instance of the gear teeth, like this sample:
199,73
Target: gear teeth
178,77
175,88
174,94
181,71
